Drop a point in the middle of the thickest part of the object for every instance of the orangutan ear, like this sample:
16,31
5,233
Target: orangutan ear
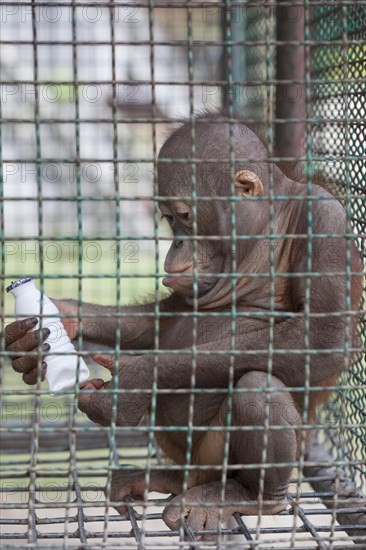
248,184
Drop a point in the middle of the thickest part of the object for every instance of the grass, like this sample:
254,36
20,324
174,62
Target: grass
98,267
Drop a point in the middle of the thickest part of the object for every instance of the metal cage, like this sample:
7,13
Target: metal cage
89,90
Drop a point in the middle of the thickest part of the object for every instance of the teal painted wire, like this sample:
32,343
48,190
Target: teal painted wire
72,421
307,312
269,54
113,452
151,433
36,399
330,24
233,239
193,200
341,435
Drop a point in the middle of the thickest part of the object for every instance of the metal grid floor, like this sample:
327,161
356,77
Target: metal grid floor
56,505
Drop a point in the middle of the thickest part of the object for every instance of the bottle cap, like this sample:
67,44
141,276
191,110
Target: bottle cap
20,282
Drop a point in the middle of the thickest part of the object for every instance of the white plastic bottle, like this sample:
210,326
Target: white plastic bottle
61,369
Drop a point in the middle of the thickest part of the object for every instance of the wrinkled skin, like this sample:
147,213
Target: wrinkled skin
250,402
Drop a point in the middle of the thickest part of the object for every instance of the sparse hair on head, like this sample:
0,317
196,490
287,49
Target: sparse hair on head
215,136
208,131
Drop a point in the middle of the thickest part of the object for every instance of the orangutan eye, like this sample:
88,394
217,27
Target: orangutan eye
185,215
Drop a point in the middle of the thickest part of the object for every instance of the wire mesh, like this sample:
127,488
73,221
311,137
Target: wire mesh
89,94
340,135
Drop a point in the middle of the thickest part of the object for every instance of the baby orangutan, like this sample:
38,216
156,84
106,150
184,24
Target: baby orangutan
292,318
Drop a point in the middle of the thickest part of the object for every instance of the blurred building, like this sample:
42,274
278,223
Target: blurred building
60,141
